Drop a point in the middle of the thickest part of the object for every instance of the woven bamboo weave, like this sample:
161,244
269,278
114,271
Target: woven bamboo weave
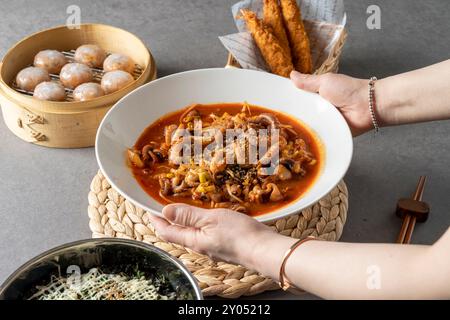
331,63
111,215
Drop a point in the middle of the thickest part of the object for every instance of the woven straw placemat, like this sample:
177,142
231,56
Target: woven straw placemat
111,215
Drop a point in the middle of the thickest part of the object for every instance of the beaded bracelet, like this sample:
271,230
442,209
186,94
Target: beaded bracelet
372,103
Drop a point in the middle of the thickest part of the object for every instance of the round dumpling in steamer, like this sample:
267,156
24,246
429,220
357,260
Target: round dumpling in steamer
117,61
74,74
88,91
50,91
50,60
90,55
115,80
28,78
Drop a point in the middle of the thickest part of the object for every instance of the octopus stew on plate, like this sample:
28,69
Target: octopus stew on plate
237,156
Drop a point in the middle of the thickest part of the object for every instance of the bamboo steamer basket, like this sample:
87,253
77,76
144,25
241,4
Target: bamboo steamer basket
66,124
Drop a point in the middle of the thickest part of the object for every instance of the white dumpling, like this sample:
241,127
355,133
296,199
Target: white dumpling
50,91
115,80
90,55
88,91
74,74
50,60
28,78
117,61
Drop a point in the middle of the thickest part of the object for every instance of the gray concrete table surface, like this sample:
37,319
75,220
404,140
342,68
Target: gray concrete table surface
43,192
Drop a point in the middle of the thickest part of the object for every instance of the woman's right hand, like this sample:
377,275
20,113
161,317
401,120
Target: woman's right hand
349,95
225,235
219,233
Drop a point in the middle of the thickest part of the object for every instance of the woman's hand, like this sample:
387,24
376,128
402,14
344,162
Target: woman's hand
415,96
349,95
219,233
224,235
320,267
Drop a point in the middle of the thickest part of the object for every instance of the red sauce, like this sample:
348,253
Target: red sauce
296,187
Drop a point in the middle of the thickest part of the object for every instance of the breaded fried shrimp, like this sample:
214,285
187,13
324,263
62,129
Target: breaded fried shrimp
274,19
298,38
271,49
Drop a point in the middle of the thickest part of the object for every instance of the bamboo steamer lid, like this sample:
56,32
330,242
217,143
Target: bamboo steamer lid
66,124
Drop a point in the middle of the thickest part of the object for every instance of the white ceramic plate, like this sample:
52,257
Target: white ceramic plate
124,123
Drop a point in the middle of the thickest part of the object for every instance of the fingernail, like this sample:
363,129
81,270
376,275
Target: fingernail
295,75
168,212
171,211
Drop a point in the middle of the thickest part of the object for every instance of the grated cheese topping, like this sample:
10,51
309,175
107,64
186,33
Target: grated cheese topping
96,285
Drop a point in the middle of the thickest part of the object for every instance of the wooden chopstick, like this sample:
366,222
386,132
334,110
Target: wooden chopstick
404,229
409,221
409,231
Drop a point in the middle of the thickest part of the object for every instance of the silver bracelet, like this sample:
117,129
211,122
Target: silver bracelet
372,103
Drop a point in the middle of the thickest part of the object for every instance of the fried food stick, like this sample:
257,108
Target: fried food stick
274,19
298,38
271,49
